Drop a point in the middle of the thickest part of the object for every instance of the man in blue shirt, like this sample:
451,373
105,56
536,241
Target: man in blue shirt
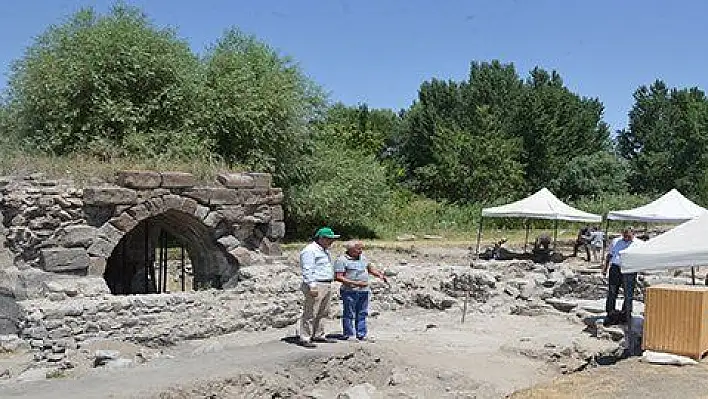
617,279
352,269
317,276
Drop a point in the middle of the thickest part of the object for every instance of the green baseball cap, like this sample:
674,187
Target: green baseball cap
326,232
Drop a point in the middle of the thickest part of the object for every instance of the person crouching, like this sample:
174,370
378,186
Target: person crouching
352,269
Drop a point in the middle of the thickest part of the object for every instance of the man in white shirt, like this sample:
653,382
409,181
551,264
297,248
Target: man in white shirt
617,279
317,276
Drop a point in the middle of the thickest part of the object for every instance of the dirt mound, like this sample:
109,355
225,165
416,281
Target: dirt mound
309,377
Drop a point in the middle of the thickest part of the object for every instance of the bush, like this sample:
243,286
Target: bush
343,188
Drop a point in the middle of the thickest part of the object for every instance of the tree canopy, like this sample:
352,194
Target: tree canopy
107,84
497,136
115,84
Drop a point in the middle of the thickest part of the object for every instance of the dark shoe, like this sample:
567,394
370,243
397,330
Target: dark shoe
307,344
324,340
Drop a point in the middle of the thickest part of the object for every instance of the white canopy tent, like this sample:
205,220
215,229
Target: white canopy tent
540,205
682,246
671,207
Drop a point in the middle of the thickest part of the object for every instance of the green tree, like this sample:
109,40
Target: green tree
556,126
111,84
592,174
495,135
666,142
257,105
360,127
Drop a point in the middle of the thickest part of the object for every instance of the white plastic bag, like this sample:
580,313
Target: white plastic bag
666,358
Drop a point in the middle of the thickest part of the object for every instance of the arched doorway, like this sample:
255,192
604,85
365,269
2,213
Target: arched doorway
167,252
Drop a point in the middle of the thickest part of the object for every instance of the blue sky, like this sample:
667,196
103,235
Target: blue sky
379,51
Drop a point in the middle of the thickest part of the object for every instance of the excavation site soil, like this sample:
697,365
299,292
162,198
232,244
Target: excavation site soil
445,327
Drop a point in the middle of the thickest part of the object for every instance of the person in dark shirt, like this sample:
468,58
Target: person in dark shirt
583,240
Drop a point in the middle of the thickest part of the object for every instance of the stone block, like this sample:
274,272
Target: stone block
79,235
224,196
261,180
64,259
45,202
118,209
236,180
124,222
109,196
270,248
173,202
276,213
44,222
110,233
189,206
140,179
275,196
61,201
201,212
276,230
229,242
212,219
254,196
139,212
200,194
155,206
242,255
232,213
9,277
178,180
97,266
9,315
100,248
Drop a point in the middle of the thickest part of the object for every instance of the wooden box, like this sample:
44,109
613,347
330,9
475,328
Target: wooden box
676,320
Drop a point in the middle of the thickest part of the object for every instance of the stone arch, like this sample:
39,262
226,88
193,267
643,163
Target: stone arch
194,226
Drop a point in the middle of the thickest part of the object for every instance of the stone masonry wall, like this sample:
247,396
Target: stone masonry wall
53,229
55,328
267,297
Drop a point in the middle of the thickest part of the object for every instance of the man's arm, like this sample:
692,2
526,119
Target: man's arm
376,273
307,263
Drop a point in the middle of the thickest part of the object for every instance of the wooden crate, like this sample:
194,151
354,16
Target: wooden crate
676,320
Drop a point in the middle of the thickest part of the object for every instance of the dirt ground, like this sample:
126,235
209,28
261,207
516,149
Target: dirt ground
417,353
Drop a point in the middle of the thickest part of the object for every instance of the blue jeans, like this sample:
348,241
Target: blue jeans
356,308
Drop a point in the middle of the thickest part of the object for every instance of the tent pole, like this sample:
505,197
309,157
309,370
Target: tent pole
555,233
526,240
479,235
607,229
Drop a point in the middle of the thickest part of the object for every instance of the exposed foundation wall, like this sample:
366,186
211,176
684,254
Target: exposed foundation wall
53,328
268,296
60,239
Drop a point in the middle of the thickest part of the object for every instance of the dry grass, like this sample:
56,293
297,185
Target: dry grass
84,169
